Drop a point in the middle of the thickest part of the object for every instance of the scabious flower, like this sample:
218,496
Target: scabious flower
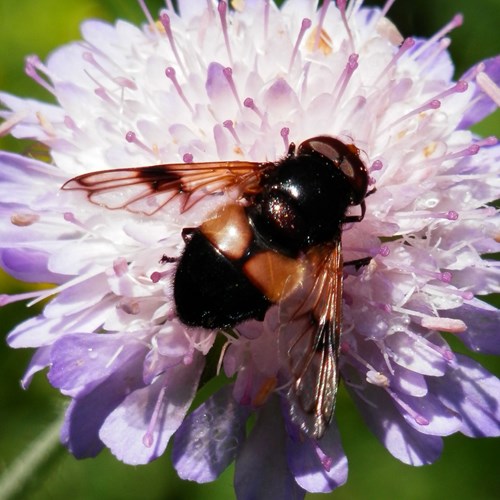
210,83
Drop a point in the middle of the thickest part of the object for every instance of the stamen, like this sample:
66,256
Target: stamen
31,66
250,104
228,124
12,121
284,132
165,21
386,7
450,215
306,24
170,74
131,137
432,55
148,438
46,125
419,419
350,68
119,80
222,8
376,165
373,376
488,141
489,87
341,5
446,353
266,18
148,15
228,73
322,15
405,46
471,150
460,87
435,290
454,23
6,299
431,105
103,94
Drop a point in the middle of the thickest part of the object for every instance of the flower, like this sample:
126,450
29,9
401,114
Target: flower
213,84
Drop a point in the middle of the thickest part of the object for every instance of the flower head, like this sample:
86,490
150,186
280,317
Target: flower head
210,84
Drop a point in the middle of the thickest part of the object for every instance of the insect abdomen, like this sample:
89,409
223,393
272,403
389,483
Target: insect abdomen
225,276
211,291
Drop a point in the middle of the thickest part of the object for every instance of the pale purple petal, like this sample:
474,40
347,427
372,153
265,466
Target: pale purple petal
210,437
390,427
125,430
261,467
80,362
318,467
86,415
39,361
474,393
482,322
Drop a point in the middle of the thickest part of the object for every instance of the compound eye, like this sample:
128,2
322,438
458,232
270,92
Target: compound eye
343,156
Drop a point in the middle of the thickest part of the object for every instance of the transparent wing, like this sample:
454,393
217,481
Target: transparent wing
148,189
312,328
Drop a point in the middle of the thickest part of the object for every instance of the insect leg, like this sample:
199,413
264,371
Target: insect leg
358,263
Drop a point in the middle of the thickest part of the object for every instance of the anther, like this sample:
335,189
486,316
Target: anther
165,21
228,73
157,276
120,266
377,165
306,24
187,158
23,219
131,137
222,9
170,74
449,325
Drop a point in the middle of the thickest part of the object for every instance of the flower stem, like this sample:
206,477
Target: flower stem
21,472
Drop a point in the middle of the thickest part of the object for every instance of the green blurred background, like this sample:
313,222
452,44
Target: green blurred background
468,469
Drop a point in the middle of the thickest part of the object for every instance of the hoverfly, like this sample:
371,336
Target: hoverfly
283,229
